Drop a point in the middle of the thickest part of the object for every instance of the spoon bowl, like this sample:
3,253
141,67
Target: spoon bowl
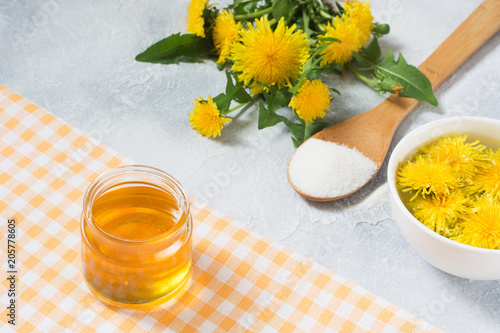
371,133
359,133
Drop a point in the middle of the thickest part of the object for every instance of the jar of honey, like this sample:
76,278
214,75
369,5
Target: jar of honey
136,237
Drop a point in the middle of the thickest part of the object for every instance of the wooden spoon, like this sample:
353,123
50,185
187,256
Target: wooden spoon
371,132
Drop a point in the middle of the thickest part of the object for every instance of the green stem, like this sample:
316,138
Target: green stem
320,28
320,3
325,15
359,76
256,14
305,18
235,108
248,104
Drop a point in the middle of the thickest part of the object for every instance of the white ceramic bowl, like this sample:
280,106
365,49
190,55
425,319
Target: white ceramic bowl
450,256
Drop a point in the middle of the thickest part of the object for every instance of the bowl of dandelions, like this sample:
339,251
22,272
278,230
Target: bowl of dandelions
444,185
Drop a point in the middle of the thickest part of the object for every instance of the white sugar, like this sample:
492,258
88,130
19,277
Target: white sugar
325,169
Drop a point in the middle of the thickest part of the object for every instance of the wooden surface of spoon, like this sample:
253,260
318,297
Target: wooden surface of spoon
371,132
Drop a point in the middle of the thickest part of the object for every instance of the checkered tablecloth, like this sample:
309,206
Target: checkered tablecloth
242,282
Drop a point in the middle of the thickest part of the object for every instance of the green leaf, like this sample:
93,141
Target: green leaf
328,39
372,52
282,8
303,131
297,130
321,47
313,128
223,102
241,95
236,92
268,117
233,93
363,61
335,91
296,143
314,73
275,99
415,83
336,68
340,8
176,48
241,7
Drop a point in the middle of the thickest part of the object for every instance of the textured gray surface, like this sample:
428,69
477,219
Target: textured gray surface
76,59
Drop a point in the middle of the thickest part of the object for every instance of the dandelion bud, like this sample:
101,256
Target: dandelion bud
397,88
390,85
381,29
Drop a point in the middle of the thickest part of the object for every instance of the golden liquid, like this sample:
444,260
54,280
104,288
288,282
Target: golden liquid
144,267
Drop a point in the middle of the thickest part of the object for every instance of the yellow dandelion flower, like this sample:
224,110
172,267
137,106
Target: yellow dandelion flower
351,40
360,15
440,213
206,118
225,34
311,101
269,57
463,157
194,20
481,228
426,176
488,177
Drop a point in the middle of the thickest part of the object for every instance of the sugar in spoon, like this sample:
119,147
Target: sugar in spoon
371,133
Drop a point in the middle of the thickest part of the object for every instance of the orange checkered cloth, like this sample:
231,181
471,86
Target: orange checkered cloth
242,282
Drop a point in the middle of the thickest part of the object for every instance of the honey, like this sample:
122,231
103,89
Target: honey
135,212
136,237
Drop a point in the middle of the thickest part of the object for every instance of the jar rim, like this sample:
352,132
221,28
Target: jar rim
135,169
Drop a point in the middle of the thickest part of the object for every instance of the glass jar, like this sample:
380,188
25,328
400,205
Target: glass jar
136,237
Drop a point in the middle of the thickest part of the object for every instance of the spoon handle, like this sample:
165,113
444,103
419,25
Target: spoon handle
470,35
479,27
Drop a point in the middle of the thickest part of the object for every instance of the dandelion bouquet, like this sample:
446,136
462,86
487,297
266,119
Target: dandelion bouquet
276,52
